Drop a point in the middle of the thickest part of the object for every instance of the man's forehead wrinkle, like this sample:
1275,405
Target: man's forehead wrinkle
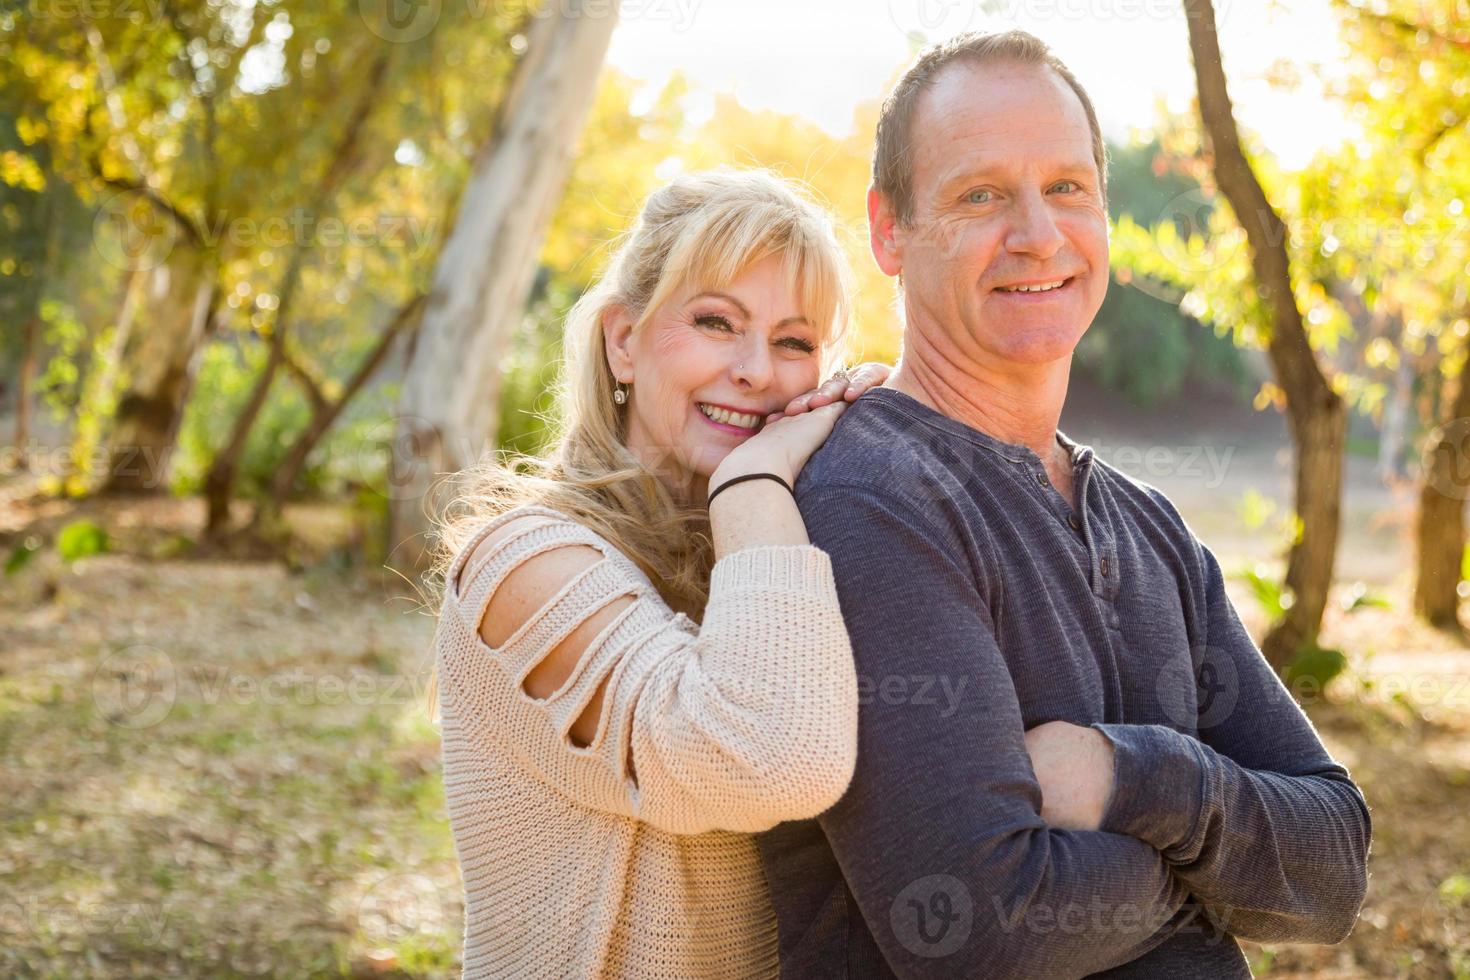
995,150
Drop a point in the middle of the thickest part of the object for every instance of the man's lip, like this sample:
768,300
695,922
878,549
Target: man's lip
1064,280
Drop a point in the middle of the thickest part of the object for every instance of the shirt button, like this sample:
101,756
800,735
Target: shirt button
1072,520
1041,479
1104,566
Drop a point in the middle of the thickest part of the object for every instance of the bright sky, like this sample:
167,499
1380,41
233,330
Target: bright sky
821,58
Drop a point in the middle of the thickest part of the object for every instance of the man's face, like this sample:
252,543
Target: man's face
1006,196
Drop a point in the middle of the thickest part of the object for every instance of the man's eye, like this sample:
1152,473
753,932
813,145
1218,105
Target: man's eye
978,197
713,320
1070,185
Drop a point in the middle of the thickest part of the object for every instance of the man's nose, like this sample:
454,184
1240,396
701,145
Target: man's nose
1033,228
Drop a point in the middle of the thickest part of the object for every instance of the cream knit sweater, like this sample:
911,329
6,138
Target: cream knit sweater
572,870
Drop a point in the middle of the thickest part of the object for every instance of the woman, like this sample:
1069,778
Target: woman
605,756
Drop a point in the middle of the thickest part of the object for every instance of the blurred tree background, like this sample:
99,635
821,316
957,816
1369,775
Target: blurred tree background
234,231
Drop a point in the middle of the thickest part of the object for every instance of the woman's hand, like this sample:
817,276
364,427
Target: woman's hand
1074,766
781,446
845,385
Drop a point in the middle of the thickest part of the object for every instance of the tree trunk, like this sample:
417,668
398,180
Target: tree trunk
325,413
1315,413
159,361
23,393
448,412
1441,528
219,482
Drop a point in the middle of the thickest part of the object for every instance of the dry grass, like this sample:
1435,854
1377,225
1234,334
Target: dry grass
224,768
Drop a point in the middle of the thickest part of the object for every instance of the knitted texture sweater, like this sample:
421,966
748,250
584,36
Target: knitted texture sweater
575,865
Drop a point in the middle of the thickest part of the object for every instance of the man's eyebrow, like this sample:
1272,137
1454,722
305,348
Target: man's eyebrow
964,175
789,321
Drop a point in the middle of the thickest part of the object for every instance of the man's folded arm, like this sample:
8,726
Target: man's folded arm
1266,830
939,836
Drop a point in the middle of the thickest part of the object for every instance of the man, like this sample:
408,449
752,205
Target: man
1072,758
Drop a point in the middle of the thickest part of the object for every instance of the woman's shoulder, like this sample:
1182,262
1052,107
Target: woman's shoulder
519,534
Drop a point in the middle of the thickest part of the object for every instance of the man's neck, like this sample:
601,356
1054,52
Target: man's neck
1018,404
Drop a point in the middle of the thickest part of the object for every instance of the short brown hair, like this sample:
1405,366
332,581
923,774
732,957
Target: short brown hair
893,173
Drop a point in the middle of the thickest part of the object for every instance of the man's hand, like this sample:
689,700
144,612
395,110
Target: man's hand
1074,766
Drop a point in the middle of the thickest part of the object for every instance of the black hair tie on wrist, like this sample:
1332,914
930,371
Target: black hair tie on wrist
749,476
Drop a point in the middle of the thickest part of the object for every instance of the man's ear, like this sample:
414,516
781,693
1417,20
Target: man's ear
883,233
617,337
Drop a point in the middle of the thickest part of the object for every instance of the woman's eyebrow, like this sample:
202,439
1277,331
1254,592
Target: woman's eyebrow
727,298
789,321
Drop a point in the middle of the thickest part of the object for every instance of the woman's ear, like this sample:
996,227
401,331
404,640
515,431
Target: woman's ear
617,336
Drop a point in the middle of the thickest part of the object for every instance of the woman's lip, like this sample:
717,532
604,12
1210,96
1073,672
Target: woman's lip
732,429
758,413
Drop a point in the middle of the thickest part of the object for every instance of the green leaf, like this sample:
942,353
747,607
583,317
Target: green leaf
1455,890
1358,597
80,539
1267,591
22,555
1320,664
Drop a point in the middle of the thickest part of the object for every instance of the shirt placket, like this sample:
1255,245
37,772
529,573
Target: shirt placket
1092,522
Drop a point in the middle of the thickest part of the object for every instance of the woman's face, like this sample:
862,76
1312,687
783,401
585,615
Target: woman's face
746,348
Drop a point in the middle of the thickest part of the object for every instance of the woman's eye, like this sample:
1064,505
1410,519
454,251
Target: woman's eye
797,344
713,320
978,197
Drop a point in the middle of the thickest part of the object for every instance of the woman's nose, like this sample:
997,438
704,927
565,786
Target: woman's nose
752,367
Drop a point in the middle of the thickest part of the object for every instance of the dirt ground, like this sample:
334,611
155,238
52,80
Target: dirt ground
225,768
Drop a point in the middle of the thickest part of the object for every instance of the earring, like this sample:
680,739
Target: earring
620,394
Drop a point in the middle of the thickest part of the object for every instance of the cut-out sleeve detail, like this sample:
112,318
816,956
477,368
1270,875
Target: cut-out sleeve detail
737,725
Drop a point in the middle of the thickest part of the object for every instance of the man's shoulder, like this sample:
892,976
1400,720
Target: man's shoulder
875,447
1148,505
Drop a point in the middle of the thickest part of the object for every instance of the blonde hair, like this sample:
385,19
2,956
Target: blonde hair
703,229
